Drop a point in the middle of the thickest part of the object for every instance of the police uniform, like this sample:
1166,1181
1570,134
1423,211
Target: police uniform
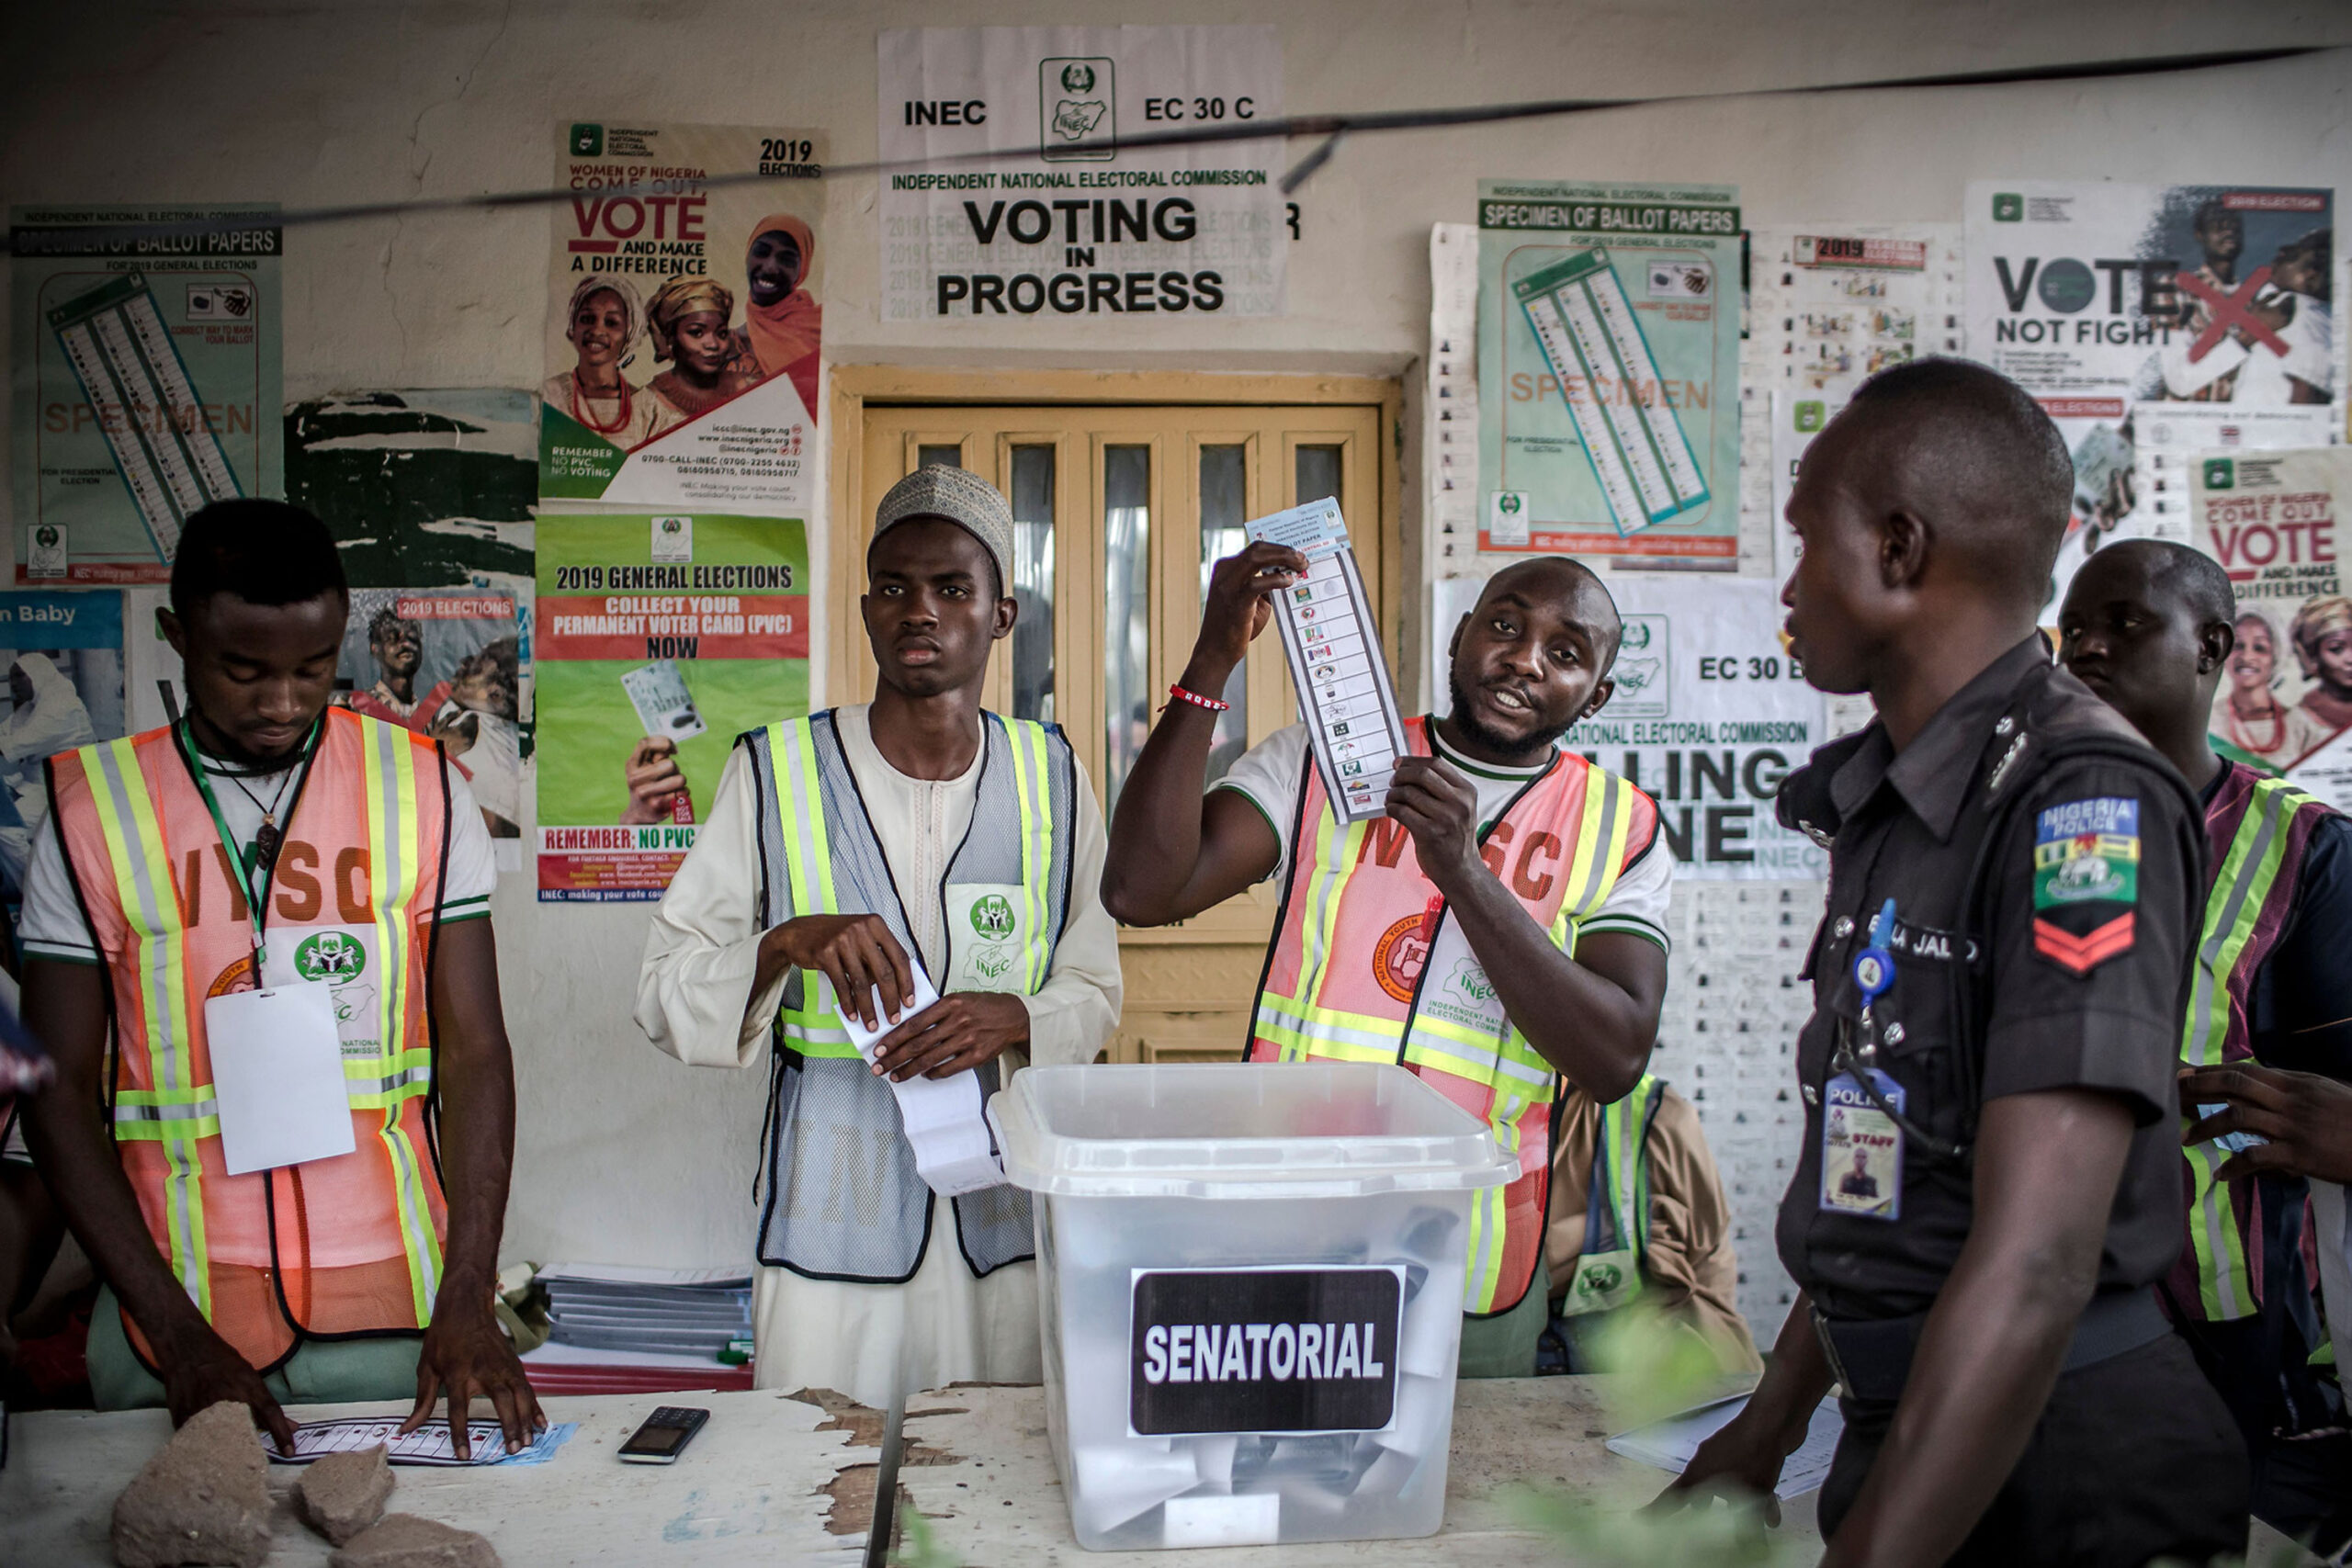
2045,867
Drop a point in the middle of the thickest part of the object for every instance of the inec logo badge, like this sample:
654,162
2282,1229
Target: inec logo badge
2220,473
1811,414
587,140
2009,207
992,917
1641,671
1076,114
331,956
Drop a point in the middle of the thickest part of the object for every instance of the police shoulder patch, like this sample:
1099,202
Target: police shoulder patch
2086,863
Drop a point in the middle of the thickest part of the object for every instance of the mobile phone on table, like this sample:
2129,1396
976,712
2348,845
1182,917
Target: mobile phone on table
664,1436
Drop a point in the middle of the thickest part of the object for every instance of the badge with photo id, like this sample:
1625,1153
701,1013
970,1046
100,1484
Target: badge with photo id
1862,1148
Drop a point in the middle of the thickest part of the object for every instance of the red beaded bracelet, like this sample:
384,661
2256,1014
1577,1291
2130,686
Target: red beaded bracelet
1197,700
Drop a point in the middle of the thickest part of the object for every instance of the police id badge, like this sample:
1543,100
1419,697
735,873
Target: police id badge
1862,1148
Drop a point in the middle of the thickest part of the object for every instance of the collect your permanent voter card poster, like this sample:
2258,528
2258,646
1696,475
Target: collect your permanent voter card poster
683,318
1709,714
1608,372
657,636
1020,198
144,382
2274,520
2206,293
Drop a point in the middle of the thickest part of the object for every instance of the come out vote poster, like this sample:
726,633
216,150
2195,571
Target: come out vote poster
657,634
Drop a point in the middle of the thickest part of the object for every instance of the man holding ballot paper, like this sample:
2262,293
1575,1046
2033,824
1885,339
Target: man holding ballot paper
854,865
1465,900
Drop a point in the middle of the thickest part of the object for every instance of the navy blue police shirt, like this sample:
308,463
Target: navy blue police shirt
2047,870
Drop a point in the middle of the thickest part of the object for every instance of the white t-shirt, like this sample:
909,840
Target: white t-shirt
1270,773
2310,357
52,925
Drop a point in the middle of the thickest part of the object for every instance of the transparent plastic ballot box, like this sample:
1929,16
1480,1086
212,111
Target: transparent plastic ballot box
1250,1290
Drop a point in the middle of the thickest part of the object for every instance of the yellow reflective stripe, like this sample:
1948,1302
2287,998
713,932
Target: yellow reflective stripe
1334,863
1484,1276
1362,1028
1027,744
814,1029
2225,1286
1300,1045
1471,1055
134,836
1601,831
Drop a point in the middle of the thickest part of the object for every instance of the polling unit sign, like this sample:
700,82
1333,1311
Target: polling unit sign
684,319
1608,372
144,382
1019,195
2212,294
1709,714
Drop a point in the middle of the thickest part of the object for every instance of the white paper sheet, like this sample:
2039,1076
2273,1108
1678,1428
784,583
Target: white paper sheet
954,1151
428,1445
277,1076
1332,641
1668,1444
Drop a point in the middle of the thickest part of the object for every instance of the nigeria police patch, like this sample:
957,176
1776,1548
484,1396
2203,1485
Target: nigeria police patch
2086,862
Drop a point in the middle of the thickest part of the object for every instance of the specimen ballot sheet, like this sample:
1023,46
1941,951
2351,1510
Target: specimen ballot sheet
1333,644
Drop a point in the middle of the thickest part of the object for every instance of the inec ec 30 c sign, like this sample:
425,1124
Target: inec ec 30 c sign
1060,218
1271,1349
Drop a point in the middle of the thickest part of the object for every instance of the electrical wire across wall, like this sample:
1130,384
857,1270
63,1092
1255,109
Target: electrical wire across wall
1330,126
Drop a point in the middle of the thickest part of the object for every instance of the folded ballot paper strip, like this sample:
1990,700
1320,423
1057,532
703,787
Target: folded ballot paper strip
954,1151
1332,641
1253,1283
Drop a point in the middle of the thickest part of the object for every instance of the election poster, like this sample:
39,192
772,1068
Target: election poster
1709,714
1608,372
660,639
2272,519
445,663
2206,294
1014,192
685,318
144,382
62,655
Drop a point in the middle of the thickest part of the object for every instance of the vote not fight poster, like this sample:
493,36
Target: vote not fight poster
659,638
685,318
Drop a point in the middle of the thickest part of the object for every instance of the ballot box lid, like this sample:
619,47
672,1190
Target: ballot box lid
1238,1130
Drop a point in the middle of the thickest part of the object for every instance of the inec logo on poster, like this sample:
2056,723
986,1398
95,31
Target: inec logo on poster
1076,119
1640,670
587,140
2009,207
2220,473
1809,415
331,956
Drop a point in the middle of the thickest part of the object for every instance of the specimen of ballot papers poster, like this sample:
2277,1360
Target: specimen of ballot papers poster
1333,644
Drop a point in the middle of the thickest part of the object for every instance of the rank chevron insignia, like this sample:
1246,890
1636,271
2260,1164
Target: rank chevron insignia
2081,954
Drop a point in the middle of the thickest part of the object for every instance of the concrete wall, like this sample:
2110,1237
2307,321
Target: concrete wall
624,1154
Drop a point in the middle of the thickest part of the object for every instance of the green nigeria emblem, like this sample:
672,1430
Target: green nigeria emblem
332,956
992,917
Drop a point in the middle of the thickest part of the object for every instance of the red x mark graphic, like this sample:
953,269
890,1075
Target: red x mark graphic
2229,310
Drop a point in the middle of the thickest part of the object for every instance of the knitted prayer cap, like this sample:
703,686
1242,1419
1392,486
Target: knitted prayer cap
962,497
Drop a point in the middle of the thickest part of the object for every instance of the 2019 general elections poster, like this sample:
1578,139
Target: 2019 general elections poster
144,382
2207,294
684,319
1608,372
657,635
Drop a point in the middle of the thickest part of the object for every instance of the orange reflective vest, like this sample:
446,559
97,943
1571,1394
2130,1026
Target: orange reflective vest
1365,967
330,1248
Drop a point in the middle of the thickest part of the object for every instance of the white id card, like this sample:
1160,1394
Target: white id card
1862,1148
278,1076
663,704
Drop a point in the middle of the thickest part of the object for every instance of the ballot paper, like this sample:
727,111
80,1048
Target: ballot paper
1579,311
1668,1444
955,1153
1333,644
428,1445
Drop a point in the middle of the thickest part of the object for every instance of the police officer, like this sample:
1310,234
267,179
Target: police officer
1998,982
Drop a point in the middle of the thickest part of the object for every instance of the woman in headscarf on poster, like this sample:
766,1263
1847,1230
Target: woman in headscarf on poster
602,325
782,321
2247,713
687,319
2322,638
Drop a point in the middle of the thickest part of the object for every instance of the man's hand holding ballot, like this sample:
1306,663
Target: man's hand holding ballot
1518,941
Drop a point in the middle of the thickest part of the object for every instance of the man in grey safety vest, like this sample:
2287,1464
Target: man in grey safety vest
841,853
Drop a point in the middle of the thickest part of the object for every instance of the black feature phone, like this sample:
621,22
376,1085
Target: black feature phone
664,1436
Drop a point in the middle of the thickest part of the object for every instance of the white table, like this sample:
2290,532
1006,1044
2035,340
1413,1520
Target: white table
755,1487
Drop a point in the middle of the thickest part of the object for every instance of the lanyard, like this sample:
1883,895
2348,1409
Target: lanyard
256,893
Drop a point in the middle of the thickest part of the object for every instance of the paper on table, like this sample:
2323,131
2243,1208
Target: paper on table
1668,1444
428,1445
954,1152
278,1076
1332,641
